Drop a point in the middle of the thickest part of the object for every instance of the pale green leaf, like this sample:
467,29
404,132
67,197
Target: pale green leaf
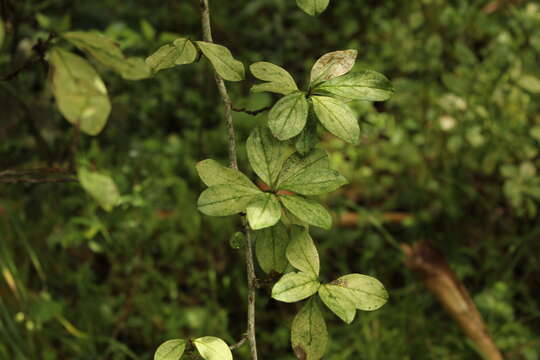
180,52
288,116
302,252
366,85
213,348
224,200
108,53
101,187
369,293
279,80
135,69
332,65
307,210
264,211
314,182
270,246
170,350
80,93
337,118
313,7
266,154
221,58
309,336
213,173
339,300
295,286
296,164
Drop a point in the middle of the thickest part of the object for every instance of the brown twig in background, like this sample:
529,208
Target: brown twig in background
441,281
252,112
37,176
497,5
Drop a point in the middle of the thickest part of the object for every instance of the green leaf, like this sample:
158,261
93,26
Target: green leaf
266,154
297,164
368,293
308,138
295,286
332,65
213,173
213,348
307,210
135,69
226,199
80,93
221,58
339,300
314,182
337,118
302,252
101,187
288,116
108,53
270,246
309,336
180,52
365,85
279,80
170,350
313,7
264,211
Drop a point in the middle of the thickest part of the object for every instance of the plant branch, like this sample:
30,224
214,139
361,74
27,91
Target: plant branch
40,48
252,112
239,343
207,36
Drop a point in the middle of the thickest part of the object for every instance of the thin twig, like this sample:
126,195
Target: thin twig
28,180
239,343
40,48
252,112
207,36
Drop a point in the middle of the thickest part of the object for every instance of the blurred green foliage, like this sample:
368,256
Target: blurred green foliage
456,151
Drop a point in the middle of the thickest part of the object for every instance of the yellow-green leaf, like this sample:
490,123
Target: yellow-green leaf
80,93
270,246
288,116
332,65
309,336
339,300
213,348
279,80
101,187
170,350
295,286
180,52
108,53
224,200
313,7
337,118
213,173
264,211
365,85
302,252
368,293
307,210
266,154
224,63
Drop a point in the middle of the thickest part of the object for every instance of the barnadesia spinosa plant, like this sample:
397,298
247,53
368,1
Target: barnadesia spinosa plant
278,210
